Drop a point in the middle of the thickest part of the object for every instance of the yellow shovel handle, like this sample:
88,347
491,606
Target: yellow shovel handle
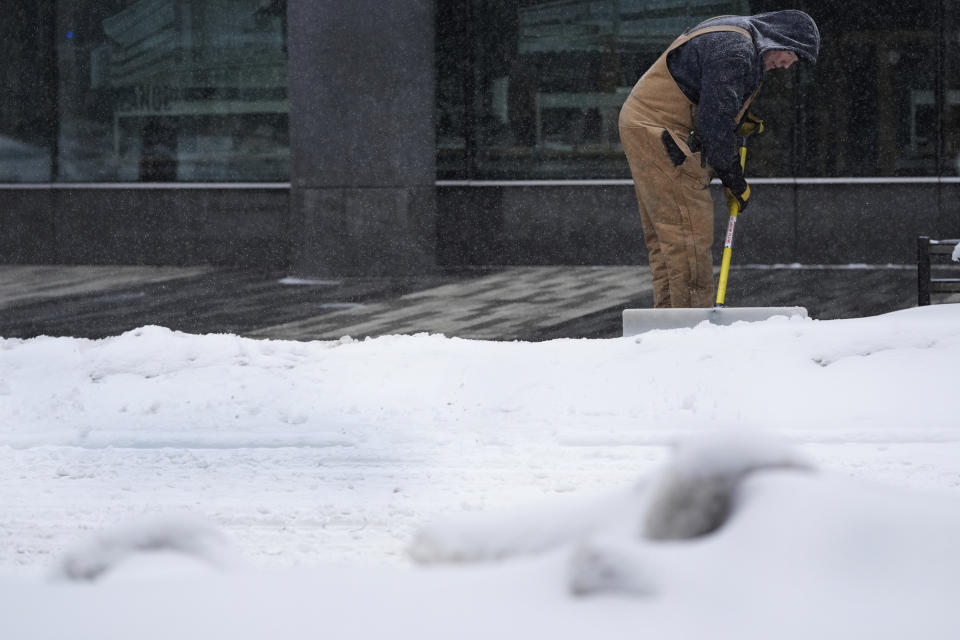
728,243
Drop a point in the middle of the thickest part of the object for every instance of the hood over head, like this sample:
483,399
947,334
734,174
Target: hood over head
789,30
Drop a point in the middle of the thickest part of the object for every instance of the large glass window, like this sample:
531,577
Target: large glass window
949,125
172,90
875,91
195,90
28,95
534,87
454,57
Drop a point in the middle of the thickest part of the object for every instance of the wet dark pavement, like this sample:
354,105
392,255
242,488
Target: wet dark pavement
503,303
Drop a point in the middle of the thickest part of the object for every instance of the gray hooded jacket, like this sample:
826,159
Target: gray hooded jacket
719,71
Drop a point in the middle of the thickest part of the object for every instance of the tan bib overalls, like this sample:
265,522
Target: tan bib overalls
676,211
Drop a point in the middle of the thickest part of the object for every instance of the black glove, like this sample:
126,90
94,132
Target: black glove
750,125
741,199
737,188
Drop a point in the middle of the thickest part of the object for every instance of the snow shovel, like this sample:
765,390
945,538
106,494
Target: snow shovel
637,321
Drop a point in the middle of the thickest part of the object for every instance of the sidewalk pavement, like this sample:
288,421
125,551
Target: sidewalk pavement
504,303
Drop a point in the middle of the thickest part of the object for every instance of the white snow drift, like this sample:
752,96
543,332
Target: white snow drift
788,479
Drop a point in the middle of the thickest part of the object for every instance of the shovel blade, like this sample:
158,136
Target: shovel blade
636,321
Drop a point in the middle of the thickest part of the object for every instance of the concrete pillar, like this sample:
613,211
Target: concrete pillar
361,88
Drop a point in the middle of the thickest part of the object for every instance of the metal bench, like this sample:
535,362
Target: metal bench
926,283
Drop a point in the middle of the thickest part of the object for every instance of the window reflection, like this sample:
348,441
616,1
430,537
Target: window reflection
876,90
546,79
28,98
950,105
550,77
195,90
173,90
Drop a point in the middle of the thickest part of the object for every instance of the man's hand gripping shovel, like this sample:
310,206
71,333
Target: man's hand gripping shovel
750,126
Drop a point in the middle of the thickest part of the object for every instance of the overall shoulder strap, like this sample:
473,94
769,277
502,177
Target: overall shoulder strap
699,32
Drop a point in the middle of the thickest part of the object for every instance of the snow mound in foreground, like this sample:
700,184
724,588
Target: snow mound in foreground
695,495
171,539
790,554
692,496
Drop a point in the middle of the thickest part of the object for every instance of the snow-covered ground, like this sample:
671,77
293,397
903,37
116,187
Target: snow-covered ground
160,484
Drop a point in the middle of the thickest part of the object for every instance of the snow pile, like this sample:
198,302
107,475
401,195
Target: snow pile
183,536
695,496
761,541
691,497
794,555
153,387
788,479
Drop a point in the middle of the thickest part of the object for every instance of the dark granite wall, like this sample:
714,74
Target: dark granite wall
361,88
785,223
377,231
243,227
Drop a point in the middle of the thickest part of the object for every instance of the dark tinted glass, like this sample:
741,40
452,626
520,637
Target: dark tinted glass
532,89
28,117
172,90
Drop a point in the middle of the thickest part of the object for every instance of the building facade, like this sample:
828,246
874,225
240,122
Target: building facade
373,138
